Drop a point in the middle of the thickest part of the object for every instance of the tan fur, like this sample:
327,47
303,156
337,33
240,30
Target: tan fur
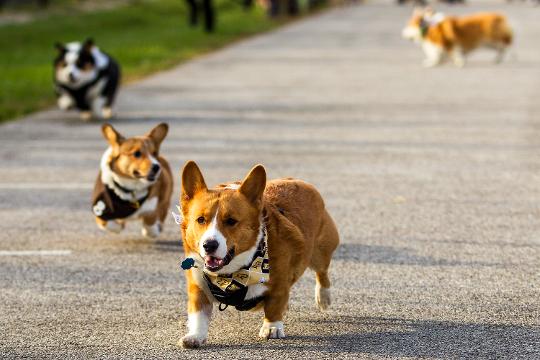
458,36
131,167
470,32
301,233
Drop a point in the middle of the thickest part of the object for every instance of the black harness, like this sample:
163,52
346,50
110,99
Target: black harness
107,205
234,294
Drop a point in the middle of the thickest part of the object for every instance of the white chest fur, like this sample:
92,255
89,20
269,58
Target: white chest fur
255,291
148,206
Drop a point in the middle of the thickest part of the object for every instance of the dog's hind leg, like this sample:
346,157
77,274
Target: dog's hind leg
327,241
151,226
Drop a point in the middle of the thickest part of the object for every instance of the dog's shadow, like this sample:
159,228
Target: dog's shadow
393,337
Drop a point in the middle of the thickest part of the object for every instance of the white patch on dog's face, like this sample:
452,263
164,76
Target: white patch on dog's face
212,232
244,258
412,33
70,74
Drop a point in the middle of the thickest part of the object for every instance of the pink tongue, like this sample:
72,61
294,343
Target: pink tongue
212,261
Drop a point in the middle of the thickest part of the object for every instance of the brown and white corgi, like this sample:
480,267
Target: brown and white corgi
453,37
134,182
250,242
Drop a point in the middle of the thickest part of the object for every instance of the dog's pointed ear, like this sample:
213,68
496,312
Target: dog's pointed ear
254,184
60,47
192,181
158,133
88,44
111,135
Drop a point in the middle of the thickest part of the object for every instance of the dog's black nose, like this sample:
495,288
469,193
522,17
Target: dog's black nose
210,246
72,77
155,168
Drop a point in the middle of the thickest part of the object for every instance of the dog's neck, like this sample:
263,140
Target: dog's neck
126,189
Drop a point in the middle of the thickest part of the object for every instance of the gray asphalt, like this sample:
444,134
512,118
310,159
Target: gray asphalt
432,176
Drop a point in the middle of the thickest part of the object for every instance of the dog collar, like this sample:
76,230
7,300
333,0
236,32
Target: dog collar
231,289
107,205
124,189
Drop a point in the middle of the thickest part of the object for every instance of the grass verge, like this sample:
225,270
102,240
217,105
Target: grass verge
144,37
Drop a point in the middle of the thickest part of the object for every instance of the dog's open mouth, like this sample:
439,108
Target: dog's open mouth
213,263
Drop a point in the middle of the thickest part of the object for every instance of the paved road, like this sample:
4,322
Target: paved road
432,176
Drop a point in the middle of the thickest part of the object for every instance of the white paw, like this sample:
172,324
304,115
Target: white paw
151,231
86,115
112,226
272,330
65,102
97,106
107,113
322,297
192,341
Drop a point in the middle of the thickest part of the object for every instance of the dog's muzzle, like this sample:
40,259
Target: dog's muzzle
213,263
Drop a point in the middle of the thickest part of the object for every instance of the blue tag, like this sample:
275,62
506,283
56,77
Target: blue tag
188,263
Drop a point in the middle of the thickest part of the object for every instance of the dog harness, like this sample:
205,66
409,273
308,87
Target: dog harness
107,205
231,289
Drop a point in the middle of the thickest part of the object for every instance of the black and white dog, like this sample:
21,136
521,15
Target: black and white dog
86,79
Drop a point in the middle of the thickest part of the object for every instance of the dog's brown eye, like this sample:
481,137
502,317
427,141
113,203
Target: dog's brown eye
201,220
137,154
230,221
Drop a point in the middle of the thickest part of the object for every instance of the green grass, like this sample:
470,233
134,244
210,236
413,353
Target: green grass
144,37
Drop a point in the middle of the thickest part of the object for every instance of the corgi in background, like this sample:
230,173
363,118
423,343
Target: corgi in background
134,182
251,241
86,79
450,37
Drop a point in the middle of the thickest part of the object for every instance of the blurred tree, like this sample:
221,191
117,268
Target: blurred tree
314,4
41,3
283,7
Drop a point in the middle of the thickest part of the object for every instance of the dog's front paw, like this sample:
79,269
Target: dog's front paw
111,226
272,330
151,231
65,102
107,113
192,341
